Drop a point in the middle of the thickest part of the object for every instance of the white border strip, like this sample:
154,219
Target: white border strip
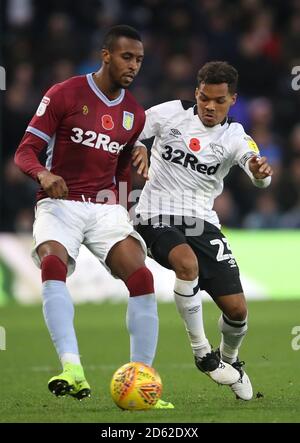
38,133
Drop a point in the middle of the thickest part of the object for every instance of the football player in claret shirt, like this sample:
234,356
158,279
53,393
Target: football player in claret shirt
89,125
194,148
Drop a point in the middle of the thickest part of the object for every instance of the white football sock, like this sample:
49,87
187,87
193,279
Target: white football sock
58,312
233,333
68,357
142,325
189,304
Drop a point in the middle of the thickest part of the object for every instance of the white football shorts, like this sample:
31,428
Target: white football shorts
73,223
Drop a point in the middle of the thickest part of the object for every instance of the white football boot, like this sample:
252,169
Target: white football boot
219,371
242,388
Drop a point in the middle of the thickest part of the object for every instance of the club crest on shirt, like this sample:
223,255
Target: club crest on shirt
128,119
218,150
43,106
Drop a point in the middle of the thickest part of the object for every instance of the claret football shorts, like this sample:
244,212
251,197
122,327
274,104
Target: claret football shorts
73,223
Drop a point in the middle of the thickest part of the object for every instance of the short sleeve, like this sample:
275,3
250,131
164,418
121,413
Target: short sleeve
49,114
156,118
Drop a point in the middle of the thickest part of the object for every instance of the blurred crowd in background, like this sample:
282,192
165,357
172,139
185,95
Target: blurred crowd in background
45,42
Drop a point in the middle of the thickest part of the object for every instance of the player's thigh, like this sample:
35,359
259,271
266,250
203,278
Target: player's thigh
162,240
213,252
218,270
113,240
58,227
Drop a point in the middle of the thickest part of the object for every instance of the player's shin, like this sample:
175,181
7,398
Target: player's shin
189,305
59,314
58,309
142,318
233,333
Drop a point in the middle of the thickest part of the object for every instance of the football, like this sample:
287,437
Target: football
136,386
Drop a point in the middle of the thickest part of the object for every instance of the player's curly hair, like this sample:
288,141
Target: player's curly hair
217,72
119,31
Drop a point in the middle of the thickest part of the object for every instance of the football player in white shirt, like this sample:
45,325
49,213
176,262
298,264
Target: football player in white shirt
195,146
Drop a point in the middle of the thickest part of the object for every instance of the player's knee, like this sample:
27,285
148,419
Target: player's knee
186,268
140,282
53,268
238,312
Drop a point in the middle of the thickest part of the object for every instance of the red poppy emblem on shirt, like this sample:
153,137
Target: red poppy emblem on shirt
194,145
107,122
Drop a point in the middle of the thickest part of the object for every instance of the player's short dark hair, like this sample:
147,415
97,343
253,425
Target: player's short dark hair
219,72
119,31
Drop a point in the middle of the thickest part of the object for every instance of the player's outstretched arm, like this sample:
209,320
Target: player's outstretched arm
140,160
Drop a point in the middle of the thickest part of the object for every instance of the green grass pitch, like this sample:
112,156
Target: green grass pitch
30,360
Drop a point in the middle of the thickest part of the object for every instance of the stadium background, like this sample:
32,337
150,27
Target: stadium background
44,42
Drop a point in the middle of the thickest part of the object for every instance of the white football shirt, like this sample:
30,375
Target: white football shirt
189,161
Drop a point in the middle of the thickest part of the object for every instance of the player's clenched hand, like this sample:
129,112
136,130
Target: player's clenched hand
140,159
259,167
53,185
